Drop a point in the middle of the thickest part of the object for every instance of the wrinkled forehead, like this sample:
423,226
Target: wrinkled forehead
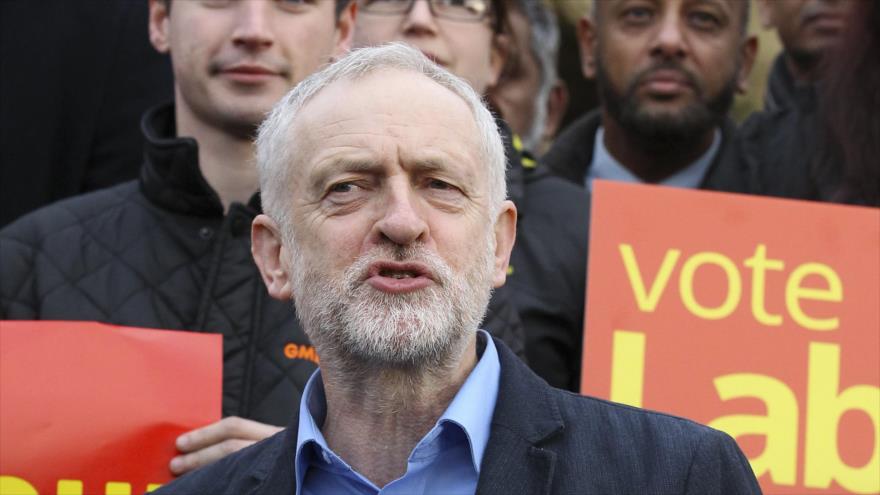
388,102
601,6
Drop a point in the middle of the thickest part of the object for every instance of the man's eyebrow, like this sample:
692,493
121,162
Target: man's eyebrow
720,3
431,166
343,165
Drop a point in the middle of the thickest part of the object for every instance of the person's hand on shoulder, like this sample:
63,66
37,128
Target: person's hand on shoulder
207,444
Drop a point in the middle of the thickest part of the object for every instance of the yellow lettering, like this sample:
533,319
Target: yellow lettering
779,426
824,409
117,488
69,487
759,263
686,285
10,485
153,486
628,367
794,292
647,300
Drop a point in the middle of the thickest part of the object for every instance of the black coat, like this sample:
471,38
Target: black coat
542,441
76,78
160,253
548,265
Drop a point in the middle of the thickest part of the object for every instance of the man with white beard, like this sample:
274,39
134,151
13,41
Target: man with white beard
388,228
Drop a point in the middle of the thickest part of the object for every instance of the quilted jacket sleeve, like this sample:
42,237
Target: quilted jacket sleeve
17,255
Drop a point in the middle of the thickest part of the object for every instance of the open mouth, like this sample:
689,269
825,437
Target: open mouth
395,277
397,274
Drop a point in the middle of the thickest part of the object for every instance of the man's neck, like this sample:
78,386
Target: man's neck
226,160
376,417
650,161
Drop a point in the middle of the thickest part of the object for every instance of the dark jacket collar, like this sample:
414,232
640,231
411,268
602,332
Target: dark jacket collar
572,155
171,177
526,416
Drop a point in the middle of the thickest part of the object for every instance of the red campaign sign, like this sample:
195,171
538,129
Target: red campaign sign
757,316
89,408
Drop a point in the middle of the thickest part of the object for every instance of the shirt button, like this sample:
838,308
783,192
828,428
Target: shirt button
206,233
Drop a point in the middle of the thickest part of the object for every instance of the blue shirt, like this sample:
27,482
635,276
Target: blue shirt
605,166
447,460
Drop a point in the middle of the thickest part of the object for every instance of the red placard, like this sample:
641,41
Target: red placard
757,316
93,408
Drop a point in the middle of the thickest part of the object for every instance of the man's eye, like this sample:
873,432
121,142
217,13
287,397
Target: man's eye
637,15
295,5
343,188
216,3
704,20
440,185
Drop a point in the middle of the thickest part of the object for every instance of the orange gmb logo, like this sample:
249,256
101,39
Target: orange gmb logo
301,351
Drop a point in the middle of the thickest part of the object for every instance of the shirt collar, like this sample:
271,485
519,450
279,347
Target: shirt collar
605,166
471,410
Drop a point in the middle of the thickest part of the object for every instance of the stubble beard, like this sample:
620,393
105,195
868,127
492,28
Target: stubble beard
662,130
363,328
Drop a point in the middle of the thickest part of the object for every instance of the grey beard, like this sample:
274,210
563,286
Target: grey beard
363,328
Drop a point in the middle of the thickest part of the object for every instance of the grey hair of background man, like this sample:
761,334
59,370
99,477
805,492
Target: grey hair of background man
744,21
276,143
544,45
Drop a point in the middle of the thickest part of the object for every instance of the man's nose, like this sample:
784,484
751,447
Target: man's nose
420,20
253,27
402,218
669,41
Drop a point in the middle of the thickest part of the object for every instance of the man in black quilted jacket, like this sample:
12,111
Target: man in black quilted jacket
172,249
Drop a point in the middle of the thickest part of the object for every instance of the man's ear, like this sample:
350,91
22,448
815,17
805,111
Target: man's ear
748,52
344,30
158,26
271,256
557,104
586,35
505,235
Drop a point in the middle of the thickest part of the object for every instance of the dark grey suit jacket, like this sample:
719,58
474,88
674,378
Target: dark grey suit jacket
543,441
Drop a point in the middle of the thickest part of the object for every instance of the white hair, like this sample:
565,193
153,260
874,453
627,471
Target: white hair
276,144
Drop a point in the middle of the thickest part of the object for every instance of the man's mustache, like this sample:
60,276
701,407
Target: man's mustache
436,267
685,74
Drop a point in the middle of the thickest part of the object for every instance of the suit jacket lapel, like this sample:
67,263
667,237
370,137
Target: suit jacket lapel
278,473
526,417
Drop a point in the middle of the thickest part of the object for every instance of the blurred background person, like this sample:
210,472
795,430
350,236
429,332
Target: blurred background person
826,151
546,278
667,72
530,96
76,78
807,30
